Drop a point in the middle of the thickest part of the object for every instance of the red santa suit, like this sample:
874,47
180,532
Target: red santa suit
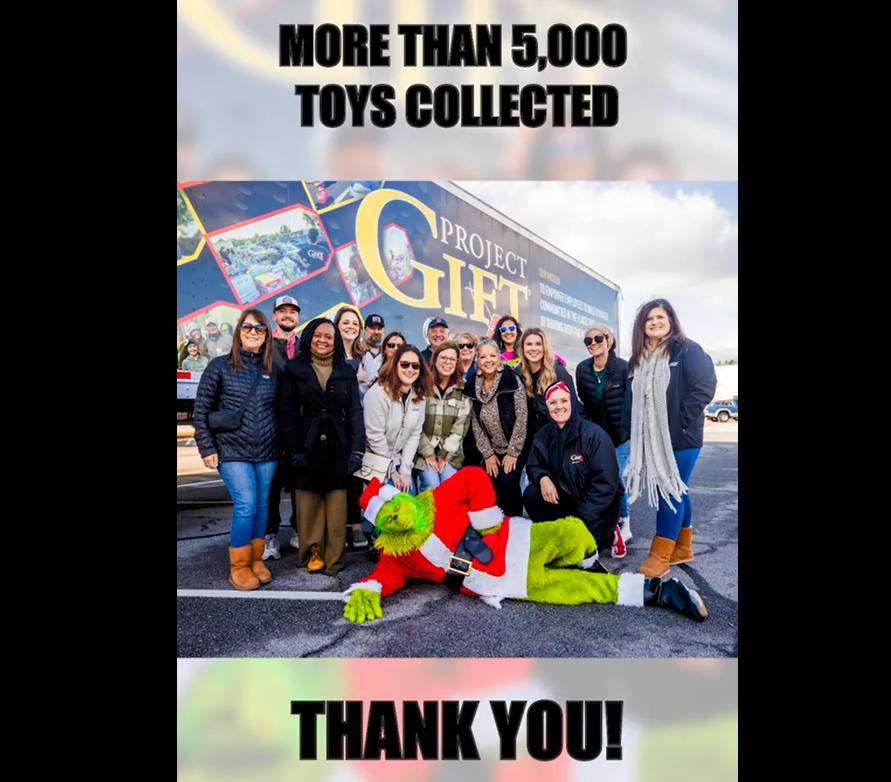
465,499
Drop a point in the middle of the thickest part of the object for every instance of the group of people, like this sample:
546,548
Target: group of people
325,412
201,348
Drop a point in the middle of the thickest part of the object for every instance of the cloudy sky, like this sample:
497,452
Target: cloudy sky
675,240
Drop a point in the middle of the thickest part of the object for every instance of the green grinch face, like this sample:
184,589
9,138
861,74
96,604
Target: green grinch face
399,515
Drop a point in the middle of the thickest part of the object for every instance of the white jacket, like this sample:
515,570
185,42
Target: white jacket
393,429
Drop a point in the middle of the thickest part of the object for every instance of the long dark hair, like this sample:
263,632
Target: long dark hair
304,349
639,334
234,359
389,380
497,335
456,372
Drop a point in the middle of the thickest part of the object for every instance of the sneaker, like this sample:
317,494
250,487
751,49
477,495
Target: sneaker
618,550
625,528
272,549
293,542
359,539
316,563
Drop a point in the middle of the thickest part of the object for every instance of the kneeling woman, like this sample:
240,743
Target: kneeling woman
573,471
243,384
323,432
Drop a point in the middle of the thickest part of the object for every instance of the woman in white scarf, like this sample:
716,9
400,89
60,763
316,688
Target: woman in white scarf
673,381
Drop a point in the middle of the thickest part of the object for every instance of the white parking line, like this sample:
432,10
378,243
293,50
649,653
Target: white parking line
260,595
200,483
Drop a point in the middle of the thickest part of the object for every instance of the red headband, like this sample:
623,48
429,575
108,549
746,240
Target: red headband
561,386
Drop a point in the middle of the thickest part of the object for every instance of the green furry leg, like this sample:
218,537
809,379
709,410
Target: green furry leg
554,547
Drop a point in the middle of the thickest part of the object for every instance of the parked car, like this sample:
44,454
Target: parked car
723,410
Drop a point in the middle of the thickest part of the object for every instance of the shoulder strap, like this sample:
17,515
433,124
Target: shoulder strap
250,394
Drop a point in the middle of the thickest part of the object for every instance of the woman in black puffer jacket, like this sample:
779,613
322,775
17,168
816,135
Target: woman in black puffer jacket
246,457
605,392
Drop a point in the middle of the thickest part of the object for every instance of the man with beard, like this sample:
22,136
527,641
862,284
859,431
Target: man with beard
374,356
216,343
286,314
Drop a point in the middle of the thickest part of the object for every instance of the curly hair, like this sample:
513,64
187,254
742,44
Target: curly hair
389,380
304,347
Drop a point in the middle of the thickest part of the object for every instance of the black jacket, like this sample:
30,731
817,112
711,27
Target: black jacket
590,474
691,387
280,350
613,412
320,429
538,409
221,388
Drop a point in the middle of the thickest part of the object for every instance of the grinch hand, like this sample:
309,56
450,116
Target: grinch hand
457,536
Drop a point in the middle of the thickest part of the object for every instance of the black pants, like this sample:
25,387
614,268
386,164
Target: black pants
507,489
275,495
540,509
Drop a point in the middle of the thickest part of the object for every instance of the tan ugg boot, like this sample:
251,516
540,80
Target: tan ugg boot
683,548
240,574
258,546
656,564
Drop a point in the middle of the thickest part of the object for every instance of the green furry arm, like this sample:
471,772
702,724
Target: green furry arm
490,530
364,606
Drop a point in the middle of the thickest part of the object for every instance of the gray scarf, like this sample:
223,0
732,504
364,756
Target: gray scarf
652,461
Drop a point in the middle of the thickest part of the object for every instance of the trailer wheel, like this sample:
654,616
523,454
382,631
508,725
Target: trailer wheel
723,416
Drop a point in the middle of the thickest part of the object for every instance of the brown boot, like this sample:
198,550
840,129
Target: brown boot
683,548
316,563
656,564
258,546
240,574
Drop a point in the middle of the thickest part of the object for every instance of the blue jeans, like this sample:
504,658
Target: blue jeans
248,484
428,478
668,521
623,451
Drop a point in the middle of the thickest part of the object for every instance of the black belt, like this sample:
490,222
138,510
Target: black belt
460,563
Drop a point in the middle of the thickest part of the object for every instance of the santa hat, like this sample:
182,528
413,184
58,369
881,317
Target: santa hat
374,497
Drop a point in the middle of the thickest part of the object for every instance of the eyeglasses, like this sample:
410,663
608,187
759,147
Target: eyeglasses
410,365
247,328
466,345
598,339
393,345
507,328
447,360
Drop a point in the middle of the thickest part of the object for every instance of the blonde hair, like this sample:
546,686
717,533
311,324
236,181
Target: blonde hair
548,374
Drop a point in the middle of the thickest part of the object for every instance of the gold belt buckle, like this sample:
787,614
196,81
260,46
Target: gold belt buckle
468,562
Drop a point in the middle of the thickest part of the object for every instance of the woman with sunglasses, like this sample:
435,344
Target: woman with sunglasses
672,381
466,343
446,421
392,342
245,384
605,392
324,435
499,414
506,335
394,414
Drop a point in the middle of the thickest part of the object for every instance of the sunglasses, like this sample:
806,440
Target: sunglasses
247,328
392,345
598,339
410,365
507,328
466,345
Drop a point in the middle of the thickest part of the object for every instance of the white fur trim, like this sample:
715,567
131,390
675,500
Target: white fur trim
486,518
516,565
495,602
385,494
631,587
586,563
371,586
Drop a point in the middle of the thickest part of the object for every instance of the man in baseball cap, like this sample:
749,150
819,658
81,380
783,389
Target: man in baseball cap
437,332
373,358
286,314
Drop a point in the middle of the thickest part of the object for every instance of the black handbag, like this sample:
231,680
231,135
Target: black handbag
227,421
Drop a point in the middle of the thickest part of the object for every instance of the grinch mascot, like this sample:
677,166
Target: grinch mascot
456,535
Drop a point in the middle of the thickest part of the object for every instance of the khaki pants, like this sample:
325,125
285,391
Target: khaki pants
322,518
